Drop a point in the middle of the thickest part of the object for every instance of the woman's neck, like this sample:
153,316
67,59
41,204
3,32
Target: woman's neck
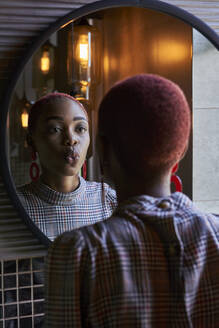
61,183
157,187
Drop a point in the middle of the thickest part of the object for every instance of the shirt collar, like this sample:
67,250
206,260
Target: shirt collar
143,204
54,197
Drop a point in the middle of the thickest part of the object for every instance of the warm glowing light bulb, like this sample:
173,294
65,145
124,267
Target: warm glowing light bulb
45,62
24,119
84,51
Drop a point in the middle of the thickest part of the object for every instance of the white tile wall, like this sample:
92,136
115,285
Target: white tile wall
205,124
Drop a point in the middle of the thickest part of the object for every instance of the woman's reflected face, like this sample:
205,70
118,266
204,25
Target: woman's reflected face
61,138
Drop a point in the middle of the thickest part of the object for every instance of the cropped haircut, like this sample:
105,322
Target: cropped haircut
147,120
48,100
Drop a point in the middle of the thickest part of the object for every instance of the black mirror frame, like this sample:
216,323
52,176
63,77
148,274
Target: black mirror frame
160,6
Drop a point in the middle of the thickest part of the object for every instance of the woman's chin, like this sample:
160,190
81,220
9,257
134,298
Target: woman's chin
62,171
71,171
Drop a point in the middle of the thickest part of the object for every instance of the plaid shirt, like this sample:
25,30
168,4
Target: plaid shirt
55,212
154,263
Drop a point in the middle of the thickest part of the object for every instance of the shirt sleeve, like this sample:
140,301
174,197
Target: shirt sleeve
64,279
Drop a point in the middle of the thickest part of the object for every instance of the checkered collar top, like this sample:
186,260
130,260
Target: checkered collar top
53,197
55,212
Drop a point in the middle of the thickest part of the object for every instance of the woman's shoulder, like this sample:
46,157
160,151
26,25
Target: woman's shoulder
93,187
25,189
26,193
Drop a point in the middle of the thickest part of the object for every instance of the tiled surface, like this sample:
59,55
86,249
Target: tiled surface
21,293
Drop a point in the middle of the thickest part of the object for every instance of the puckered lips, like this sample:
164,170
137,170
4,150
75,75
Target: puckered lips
71,156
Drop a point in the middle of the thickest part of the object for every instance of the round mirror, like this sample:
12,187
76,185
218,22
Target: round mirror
96,46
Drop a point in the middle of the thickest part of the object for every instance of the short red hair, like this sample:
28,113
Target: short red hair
147,120
49,99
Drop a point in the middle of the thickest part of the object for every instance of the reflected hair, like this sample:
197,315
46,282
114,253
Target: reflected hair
47,100
147,120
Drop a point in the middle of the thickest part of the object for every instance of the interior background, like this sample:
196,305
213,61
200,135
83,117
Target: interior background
21,21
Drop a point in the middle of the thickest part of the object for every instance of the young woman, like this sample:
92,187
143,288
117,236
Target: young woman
155,262
60,200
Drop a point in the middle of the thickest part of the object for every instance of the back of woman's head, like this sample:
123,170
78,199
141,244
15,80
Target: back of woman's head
146,118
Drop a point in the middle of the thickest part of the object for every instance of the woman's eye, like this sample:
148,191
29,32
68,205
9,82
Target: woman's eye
81,129
54,129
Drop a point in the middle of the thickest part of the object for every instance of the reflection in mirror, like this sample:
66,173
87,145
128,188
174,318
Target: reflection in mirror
57,137
84,59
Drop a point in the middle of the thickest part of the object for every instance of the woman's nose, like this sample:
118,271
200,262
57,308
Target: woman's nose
70,139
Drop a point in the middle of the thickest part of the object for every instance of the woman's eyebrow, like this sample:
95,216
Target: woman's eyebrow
77,118
59,118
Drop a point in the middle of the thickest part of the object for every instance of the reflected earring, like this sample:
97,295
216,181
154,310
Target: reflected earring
175,179
84,170
34,168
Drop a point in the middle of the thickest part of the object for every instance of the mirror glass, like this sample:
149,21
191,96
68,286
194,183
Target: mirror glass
86,57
